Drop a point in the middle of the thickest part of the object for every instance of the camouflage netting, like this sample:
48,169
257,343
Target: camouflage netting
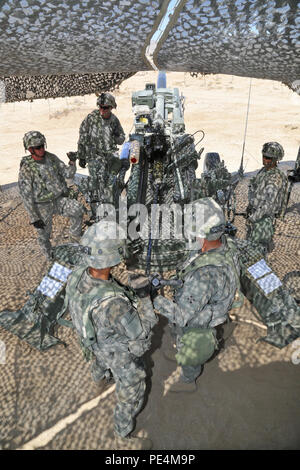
63,48
70,44
37,389
70,36
251,38
51,86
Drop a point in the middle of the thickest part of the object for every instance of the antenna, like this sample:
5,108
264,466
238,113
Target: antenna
241,169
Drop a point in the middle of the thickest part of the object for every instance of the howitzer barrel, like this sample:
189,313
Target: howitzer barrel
160,106
162,80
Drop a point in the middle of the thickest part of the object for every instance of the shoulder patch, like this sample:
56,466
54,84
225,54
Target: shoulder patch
117,307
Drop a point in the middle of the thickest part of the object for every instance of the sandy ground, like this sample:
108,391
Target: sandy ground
217,104
248,395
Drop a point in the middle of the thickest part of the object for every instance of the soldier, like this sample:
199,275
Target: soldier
43,188
100,133
114,324
210,280
266,195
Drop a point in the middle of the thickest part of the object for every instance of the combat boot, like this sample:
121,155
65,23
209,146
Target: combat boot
183,387
132,443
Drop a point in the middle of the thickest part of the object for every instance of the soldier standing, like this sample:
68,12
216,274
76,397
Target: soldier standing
210,279
43,188
266,195
99,134
114,324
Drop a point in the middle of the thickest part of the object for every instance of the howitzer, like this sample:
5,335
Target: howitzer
160,148
164,159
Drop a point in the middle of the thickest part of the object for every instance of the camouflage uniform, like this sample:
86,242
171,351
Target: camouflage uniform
122,336
265,194
42,187
210,281
203,301
98,140
112,323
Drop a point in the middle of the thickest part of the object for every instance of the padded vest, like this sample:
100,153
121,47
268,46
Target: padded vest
217,259
87,301
35,172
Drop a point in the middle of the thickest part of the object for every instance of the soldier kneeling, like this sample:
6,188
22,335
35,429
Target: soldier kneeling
114,324
43,188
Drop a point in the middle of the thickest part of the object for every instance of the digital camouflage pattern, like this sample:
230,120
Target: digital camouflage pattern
105,182
99,137
97,144
110,237
33,139
265,195
42,187
106,99
273,150
36,321
204,299
278,309
122,334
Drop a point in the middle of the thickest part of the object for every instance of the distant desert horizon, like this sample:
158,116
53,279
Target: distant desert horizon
216,104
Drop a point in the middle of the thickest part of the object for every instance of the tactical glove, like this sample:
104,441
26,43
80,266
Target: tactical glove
140,284
72,156
38,224
82,162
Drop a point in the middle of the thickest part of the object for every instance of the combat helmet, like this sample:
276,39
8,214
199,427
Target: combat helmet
33,139
273,150
210,220
106,99
103,244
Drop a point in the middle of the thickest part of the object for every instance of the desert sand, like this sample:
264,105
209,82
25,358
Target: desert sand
217,104
248,395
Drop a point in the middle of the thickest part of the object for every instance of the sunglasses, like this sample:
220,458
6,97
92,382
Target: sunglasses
104,107
38,147
267,158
